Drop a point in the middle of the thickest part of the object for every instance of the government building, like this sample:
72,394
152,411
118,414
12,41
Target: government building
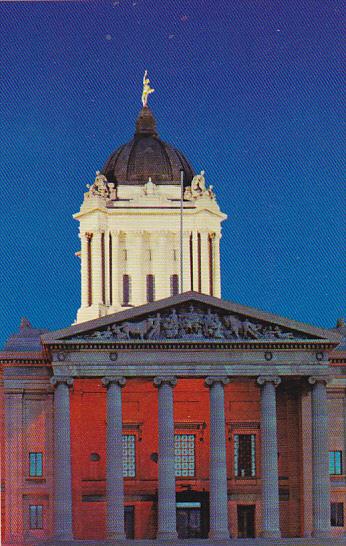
165,412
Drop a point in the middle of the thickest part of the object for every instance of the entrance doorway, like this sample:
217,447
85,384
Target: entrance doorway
130,522
246,521
192,514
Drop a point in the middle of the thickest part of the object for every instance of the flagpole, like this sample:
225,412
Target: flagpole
181,230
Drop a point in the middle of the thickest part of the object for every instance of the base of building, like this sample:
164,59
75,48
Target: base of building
337,541
275,533
218,536
166,536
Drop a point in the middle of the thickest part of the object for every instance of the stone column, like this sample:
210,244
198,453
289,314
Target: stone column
160,247
167,520
217,461
84,270
62,459
134,246
269,458
195,260
186,262
205,262
115,520
320,462
96,269
115,281
216,265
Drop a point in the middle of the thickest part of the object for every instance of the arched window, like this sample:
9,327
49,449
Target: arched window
126,289
174,285
150,288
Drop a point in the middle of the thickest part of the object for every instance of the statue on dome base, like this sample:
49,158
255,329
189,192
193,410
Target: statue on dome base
198,188
102,188
147,90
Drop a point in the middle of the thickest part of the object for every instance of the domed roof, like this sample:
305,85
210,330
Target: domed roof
146,155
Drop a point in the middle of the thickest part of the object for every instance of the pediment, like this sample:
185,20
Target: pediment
191,317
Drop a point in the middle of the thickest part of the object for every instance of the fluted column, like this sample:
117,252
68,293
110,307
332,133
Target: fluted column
96,259
186,262
160,255
115,521
114,277
216,265
134,245
62,459
320,470
205,262
84,270
269,459
167,521
195,260
217,461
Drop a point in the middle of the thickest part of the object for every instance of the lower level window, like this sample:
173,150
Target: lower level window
184,445
129,455
36,516
245,455
337,514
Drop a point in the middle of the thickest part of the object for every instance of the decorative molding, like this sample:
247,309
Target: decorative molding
57,380
262,379
195,323
161,380
318,379
209,381
119,380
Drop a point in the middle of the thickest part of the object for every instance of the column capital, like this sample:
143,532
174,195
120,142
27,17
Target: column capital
209,381
119,380
262,379
88,235
318,379
161,380
63,379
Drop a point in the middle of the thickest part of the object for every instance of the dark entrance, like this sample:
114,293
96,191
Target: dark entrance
246,521
192,514
129,522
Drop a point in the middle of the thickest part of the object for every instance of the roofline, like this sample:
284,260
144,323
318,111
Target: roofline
185,297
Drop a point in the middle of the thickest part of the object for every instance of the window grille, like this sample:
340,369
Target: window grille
184,455
245,455
129,455
35,464
335,462
36,516
337,514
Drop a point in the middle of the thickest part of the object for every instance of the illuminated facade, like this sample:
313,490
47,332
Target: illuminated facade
203,418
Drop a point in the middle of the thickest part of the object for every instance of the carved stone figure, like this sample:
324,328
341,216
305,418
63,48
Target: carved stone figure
198,184
135,329
147,90
197,322
100,186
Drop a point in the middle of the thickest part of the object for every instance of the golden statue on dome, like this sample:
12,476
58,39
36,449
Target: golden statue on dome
147,90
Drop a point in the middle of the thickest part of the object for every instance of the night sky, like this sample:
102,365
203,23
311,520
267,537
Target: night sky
250,91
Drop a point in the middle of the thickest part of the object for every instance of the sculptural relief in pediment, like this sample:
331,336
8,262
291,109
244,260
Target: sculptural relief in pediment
194,322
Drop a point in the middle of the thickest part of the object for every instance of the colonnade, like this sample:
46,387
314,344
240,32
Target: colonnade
219,528
107,255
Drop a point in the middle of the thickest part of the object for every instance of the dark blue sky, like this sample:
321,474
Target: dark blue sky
250,91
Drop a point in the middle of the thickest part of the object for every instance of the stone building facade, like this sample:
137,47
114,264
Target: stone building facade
165,411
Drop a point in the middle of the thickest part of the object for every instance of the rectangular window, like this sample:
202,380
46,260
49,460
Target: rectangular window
245,455
35,464
150,288
335,462
129,455
337,514
184,445
36,516
126,289
174,285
